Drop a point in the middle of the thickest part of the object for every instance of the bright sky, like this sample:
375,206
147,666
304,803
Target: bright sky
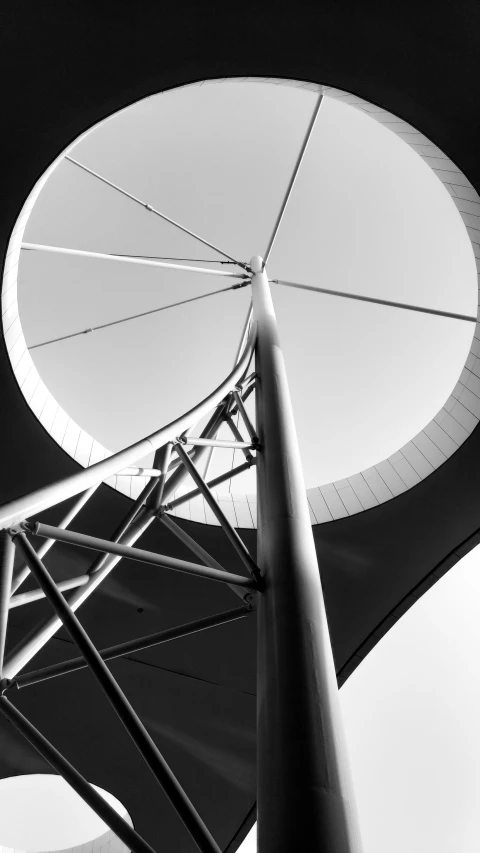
366,216
57,817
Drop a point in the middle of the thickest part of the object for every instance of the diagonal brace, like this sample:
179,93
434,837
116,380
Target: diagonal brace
232,534
222,478
130,647
104,810
135,728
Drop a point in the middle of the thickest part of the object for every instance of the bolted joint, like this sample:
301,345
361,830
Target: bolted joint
28,527
7,684
249,602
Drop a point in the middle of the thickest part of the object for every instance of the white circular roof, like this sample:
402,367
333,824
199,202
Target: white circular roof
411,463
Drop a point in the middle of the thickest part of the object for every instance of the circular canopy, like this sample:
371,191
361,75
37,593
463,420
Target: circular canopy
61,219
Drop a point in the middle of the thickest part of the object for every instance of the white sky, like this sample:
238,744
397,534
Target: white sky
367,216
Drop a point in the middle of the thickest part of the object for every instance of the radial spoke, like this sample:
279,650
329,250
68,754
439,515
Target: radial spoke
128,259
294,177
375,301
153,210
133,317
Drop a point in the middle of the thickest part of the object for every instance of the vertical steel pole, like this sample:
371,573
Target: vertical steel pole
7,555
304,799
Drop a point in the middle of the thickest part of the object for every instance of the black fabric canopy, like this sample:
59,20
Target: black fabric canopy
64,68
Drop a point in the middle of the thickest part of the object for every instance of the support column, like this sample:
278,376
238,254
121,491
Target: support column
304,795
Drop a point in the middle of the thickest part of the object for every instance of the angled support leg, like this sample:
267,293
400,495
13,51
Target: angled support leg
105,812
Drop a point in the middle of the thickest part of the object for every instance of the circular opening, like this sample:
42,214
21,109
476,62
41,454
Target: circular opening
41,812
367,215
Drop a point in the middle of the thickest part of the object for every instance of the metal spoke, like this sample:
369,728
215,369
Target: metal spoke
129,259
134,316
153,210
403,305
294,177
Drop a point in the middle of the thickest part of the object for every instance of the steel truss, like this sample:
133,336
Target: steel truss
295,660
303,791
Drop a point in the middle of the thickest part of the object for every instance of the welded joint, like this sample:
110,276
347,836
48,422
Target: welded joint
7,684
25,527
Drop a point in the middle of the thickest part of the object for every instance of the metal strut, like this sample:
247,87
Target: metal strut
135,728
303,796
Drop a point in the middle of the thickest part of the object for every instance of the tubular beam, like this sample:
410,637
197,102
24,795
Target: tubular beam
246,420
197,549
125,259
238,436
23,572
222,478
136,554
36,594
209,442
21,508
135,728
132,840
375,301
152,209
130,647
231,533
303,784
294,177
28,647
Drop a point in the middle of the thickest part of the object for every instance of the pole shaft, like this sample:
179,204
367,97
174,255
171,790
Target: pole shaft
303,787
